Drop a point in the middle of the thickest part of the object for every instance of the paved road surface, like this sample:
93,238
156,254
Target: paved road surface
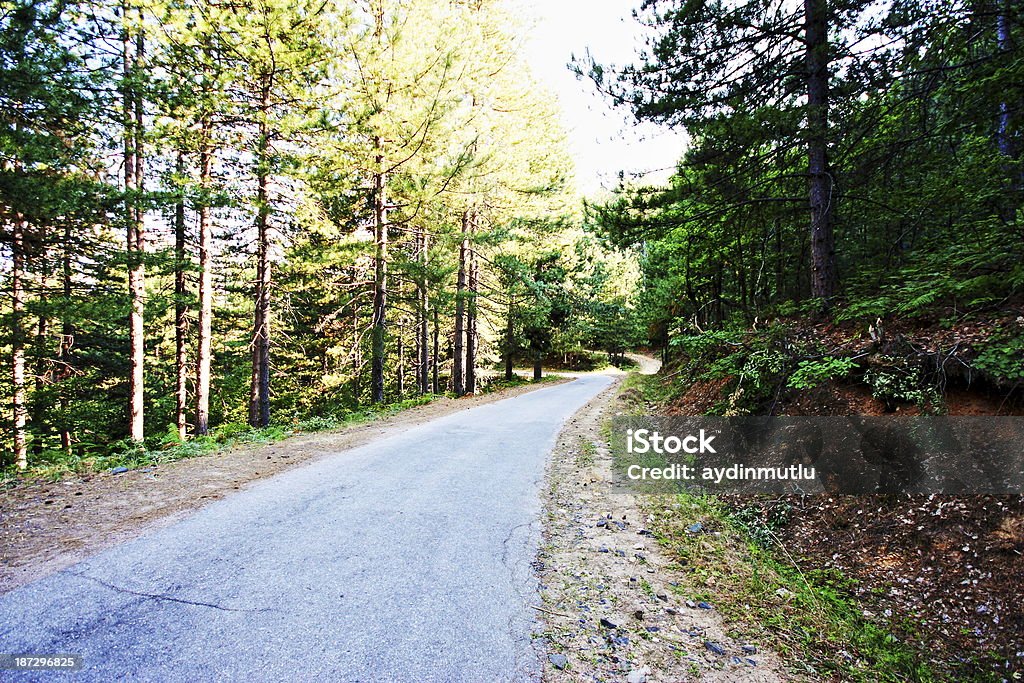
404,560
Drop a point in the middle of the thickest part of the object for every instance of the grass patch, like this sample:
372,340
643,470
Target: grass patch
587,452
811,618
499,383
166,448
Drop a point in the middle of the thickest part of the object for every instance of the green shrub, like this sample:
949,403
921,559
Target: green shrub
811,373
1002,357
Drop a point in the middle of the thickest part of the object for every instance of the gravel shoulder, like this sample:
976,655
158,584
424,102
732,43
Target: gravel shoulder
48,526
613,606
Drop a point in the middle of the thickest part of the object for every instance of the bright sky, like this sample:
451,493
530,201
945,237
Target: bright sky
604,140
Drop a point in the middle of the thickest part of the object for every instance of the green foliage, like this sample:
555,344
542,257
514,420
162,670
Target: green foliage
930,192
740,568
811,373
760,523
1002,357
895,380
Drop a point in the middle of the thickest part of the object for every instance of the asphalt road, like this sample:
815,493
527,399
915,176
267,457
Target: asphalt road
404,560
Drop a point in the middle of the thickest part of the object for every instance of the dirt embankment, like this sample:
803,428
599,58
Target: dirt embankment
940,572
46,526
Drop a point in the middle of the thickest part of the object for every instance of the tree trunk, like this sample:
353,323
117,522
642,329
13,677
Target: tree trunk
458,357
422,331
400,371
66,342
823,274
538,367
437,350
380,278
471,338
134,186
1005,139
40,404
203,343
259,395
509,341
180,308
357,357
18,342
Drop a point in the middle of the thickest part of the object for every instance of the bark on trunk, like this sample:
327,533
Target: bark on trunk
259,408
1003,40
458,357
509,342
203,343
40,404
18,343
180,309
538,367
471,339
1005,141
380,279
400,371
823,275
66,342
437,350
134,184
422,330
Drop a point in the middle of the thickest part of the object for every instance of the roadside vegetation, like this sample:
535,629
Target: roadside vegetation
168,448
853,610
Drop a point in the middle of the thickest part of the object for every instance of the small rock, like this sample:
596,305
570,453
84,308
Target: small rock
637,676
558,661
638,615
602,522
695,528
119,470
621,641
749,661
749,649
782,593
645,532
712,646
691,604
662,596
620,553
704,605
603,550
652,629
608,623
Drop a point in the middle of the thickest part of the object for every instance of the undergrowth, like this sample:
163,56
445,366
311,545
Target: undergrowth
167,447
733,559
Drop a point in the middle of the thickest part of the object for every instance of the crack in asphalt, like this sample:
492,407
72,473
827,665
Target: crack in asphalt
521,667
158,596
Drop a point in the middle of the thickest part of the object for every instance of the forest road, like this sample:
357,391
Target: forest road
408,559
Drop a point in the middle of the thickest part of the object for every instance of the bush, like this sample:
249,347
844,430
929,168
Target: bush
811,373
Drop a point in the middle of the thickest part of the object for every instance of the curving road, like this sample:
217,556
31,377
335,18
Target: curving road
404,560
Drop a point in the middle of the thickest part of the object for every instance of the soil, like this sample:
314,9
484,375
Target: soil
941,572
599,562
46,526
